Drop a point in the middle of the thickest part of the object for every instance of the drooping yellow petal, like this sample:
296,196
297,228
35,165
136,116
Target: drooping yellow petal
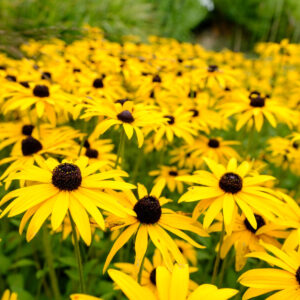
120,242
130,287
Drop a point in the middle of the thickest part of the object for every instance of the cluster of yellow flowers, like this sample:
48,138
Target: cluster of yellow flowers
205,124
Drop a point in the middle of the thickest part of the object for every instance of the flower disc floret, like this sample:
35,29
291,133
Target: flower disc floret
66,177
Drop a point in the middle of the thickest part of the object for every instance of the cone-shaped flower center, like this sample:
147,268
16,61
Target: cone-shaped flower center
259,220
257,101
171,119
66,177
122,101
153,276
213,143
46,75
27,129
173,173
98,83
125,116
212,68
41,91
91,153
195,112
231,183
148,210
30,146
156,78
298,275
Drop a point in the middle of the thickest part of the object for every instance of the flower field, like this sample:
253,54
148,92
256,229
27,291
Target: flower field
147,171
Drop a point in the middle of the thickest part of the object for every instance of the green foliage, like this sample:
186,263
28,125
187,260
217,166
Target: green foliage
268,20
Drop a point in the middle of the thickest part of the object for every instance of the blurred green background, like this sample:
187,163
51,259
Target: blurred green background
235,24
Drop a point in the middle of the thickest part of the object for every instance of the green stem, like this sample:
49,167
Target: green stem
78,256
218,258
141,270
50,263
120,148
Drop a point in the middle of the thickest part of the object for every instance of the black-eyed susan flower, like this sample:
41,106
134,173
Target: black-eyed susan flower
149,219
254,109
227,188
47,100
8,295
245,239
167,175
61,188
283,278
30,150
131,117
170,285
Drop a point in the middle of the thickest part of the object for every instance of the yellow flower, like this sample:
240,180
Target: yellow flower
230,188
48,100
148,218
30,150
61,188
167,175
252,110
246,239
131,117
285,280
9,296
170,286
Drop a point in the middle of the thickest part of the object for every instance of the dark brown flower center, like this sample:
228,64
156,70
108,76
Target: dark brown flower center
41,91
213,143
27,129
153,276
86,144
259,220
195,112
156,78
66,177
212,68
11,78
295,145
125,116
171,119
91,153
298,275
173,173
231,183
122,101
148,210
46,75
257,101
98,83
25,84
30,146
